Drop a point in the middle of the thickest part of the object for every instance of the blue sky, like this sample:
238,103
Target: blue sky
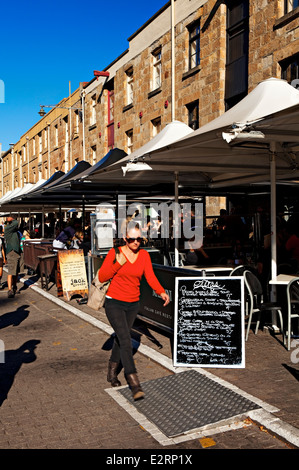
46,45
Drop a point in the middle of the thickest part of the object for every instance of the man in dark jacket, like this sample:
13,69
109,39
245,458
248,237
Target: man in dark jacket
13,254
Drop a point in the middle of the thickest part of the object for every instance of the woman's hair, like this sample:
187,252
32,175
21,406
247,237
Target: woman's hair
132,225
128,224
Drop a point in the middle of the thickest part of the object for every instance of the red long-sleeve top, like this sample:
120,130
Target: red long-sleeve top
125,279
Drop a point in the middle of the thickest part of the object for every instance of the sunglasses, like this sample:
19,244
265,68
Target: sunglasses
131,240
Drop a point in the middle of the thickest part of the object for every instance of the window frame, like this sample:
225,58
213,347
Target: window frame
194,39
129,86
110,120
129,135
157,69
286,66
156,126
93,103
290,5
194,105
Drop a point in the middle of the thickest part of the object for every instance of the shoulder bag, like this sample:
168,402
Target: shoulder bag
97,290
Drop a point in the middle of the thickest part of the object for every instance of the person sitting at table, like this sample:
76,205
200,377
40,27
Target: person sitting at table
63,240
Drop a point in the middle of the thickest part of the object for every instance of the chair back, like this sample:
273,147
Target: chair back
293,290
238,271
253,283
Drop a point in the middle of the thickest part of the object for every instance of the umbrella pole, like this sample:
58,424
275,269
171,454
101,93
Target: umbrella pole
273,212
273,230
176,222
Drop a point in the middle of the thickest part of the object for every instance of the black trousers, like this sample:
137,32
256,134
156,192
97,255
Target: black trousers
121,316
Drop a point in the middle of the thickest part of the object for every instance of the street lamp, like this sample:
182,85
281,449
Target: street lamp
42,112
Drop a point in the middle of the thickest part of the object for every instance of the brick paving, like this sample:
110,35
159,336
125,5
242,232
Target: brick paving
53,381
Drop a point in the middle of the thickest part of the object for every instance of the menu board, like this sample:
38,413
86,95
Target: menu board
209,322
73,273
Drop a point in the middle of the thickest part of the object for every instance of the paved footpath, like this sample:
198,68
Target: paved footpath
53,389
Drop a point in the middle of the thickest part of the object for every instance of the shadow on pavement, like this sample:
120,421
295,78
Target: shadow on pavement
292,370
14,317
13,360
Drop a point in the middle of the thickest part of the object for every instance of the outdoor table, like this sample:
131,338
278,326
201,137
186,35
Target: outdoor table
281,280
211,269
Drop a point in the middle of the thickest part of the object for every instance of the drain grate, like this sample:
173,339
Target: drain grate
186,401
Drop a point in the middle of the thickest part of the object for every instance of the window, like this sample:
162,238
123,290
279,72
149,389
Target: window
237,34
156,123
76,124
110,119
24,153
40,147
290,70
66,127
194,45
193,115
93,110
45,138
94,154
129,141
129,74
290,5
33,145
157,69
56,135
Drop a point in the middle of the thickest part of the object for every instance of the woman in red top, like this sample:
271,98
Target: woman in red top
122,303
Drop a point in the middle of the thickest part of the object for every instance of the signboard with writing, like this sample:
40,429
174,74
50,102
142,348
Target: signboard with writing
72,273
151,305
209,322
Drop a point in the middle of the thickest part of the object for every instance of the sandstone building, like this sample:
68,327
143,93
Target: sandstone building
222,50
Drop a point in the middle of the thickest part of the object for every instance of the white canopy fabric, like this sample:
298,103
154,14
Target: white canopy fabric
26,189
256,140
270,96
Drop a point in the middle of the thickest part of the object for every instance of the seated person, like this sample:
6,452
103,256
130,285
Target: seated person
63,240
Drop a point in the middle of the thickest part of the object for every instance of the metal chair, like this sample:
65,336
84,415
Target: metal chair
238,271
293,308
256,303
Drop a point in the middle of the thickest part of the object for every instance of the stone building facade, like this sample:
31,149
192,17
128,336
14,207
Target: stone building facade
222,51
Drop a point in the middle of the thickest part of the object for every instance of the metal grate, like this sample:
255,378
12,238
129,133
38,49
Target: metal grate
186,401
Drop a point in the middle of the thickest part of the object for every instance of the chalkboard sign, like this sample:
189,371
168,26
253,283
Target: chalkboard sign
151,304
209,322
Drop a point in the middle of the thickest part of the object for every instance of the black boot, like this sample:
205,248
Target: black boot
135,386
112,374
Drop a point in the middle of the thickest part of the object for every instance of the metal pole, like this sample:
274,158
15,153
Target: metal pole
273,230
273,211
172,63
176,221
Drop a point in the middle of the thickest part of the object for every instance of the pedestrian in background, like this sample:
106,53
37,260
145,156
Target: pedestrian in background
2,255
122,302
13,253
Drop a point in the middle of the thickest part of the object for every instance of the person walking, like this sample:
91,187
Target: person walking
13,253
2,255
125,270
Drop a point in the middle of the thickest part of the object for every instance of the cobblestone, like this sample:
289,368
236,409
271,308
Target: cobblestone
54,377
